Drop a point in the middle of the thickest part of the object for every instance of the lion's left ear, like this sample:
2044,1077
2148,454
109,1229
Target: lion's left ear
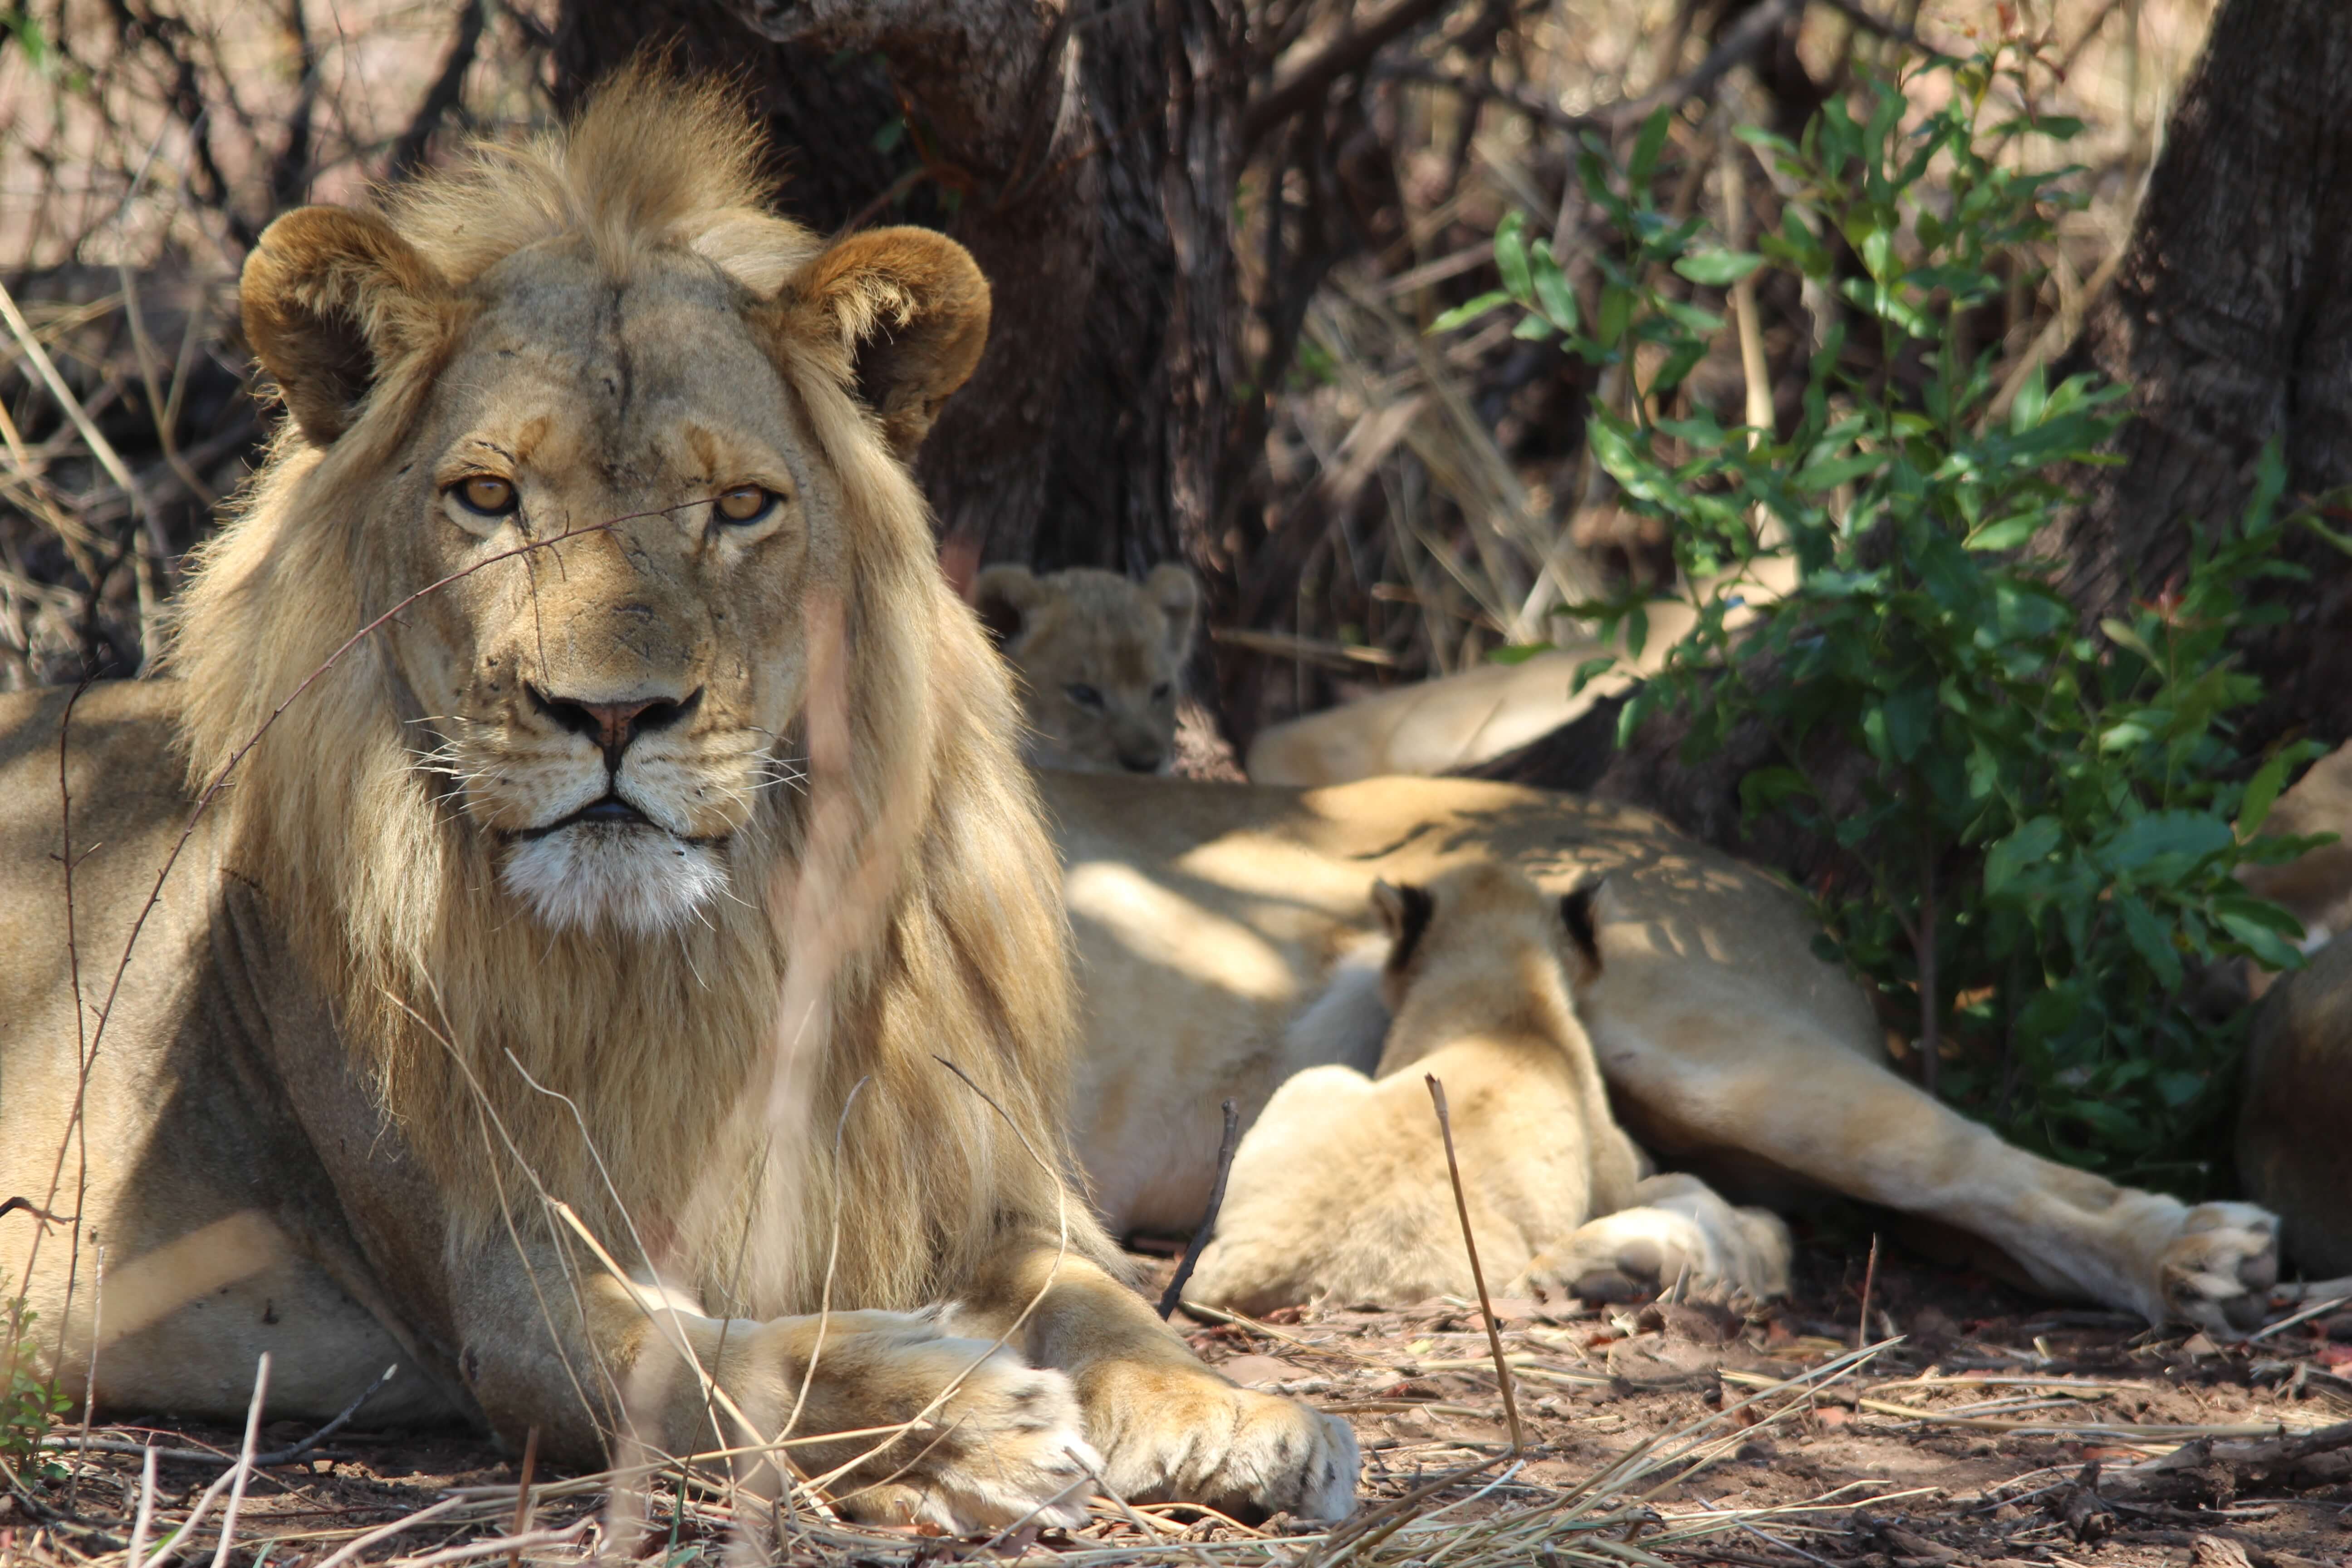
909,309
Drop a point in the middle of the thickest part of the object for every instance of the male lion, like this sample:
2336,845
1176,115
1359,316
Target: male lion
1098,660
1220,940
520,913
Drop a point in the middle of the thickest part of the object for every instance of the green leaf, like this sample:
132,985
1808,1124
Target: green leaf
2009,533
1645,151
1718,268
1552,291
1835,471
2029,845
2150,940
2188,834
1516,653
2262,789
1469,311
1511,256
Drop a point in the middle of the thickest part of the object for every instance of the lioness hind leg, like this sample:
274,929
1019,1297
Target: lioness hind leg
1678,1229
1799,1098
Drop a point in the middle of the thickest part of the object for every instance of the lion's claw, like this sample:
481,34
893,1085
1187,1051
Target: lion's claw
2218,1271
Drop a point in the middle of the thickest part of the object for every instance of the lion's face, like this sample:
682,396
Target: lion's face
610,708
1100,661
606,490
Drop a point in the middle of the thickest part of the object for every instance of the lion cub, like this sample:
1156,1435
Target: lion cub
1099,660
1340,1188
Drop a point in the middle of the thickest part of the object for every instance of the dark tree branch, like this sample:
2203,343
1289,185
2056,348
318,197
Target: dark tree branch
1306,86
443,95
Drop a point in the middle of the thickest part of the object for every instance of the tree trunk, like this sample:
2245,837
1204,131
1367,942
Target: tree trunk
2230,319
1087,156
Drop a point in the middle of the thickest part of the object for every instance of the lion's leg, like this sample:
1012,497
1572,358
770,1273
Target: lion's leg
1169,1427
1799,1098
591,1361
1676,1229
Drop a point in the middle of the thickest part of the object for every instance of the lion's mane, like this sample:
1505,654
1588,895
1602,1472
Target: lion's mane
629,1076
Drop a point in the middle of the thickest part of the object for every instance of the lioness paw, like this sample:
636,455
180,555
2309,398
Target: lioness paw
2218,1270
1189,1434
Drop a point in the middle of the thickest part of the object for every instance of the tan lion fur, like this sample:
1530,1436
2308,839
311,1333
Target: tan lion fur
630,852
1341,1189
1098,660
381,889
1221,945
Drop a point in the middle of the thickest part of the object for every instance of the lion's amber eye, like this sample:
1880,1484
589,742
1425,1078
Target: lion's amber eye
746,503
486,494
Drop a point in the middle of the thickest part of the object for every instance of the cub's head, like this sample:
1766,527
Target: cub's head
617,456
1476,922
1099,660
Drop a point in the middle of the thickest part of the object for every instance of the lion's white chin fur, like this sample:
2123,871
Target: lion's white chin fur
640,880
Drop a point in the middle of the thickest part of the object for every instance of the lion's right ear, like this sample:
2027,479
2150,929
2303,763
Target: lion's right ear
1404,910
331,298
1005,597
907,309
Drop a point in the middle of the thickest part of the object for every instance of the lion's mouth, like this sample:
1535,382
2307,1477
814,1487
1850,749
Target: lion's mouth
609,811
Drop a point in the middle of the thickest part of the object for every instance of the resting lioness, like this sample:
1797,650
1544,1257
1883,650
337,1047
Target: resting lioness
1210,918
1218,928
623,837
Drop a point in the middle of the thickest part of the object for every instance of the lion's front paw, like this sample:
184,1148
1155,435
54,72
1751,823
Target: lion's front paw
1184,1434
1007,1444
2217,1272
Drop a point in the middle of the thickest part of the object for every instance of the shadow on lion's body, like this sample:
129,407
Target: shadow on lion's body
675,826
1214,926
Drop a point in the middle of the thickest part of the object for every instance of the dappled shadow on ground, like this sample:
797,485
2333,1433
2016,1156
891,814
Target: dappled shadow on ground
1995,1430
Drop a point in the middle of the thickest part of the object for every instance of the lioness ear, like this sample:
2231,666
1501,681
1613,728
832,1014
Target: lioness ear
1004,596
332,297
1404,913
1174,589
910,308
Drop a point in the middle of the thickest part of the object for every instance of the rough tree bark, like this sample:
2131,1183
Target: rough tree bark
1086,154
2230,319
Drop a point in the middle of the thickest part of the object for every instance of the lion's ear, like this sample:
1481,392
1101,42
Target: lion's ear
1004,596
1404,913
1177,591
910,308
330,297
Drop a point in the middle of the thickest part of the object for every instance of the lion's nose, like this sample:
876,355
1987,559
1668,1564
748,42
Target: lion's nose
612,726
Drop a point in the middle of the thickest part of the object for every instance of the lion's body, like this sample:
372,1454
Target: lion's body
640,867
1220,930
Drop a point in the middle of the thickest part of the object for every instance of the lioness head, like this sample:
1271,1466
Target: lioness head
669,386
1099,660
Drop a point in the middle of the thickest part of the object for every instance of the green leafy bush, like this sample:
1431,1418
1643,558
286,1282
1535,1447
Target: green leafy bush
29,1404
2041,820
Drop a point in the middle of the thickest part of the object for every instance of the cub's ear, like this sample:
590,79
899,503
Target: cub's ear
1177,591
1576,914
907,309
332,297
1404,910
1005,597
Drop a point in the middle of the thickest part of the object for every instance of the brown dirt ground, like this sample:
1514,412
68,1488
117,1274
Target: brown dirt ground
1975,1475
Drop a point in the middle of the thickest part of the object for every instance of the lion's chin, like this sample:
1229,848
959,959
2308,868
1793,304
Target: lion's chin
637,879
